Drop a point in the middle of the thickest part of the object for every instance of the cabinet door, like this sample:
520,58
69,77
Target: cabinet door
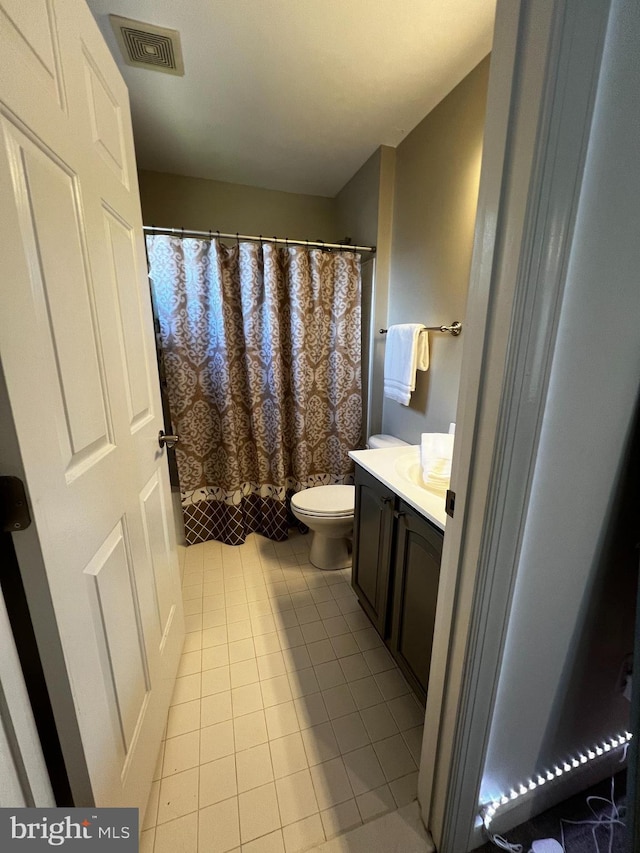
417,556
373,525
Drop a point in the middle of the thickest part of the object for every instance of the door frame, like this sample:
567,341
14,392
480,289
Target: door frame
544,73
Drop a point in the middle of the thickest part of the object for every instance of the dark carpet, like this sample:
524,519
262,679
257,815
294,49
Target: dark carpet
566,822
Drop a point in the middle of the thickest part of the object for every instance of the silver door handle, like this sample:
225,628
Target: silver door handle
169,440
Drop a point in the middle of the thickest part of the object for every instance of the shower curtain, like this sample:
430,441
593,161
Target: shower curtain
261,348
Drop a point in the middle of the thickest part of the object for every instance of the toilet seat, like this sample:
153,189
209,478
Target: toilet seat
326,501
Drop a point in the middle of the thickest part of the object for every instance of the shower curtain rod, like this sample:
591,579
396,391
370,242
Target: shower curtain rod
185,232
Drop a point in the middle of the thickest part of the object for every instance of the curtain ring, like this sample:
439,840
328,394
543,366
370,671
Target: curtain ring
237,240
210,234
182,233
261,241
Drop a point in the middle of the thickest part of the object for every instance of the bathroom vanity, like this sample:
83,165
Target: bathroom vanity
397,547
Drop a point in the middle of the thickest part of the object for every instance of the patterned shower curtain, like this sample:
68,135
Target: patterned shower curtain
261,348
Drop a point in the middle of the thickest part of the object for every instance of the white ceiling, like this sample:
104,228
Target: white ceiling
294,95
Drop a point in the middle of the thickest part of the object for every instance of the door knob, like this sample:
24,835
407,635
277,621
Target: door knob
169,440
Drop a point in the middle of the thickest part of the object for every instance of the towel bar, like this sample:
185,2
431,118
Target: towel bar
455,328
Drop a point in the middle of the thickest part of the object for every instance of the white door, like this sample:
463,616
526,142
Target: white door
77,351
24,780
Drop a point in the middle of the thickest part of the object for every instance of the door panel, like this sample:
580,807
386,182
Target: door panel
47,204
121,242
78,355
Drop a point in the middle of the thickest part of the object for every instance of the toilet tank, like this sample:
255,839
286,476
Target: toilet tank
383,440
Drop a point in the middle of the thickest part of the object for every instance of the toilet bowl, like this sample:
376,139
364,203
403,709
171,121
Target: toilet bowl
328,513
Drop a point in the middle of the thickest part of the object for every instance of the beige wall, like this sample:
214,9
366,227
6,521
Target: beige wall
200,204
436,192
364,212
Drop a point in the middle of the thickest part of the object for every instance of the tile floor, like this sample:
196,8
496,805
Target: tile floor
290,723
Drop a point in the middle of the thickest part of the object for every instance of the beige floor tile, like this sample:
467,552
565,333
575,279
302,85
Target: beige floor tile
394,757
266,644
329,674
350,732
281,720
328,609
276,690
296,658
339,701
254,767
288,755
391,684
244,672
340,818
310,710
178,836
344,645
212,602
406,712
147,840
241,650
192,642
190,662
238,613
303,834
296,797
250,730
379,722
214,619
405,789
271,843
331,783
214,636
413,739
314,631
192,605
354,667
247,699
193,623
290,637
215,708
183,718
259,813
181,753
186,689
263,625
178,795
320,652
364,770
217,781
239,630
234,597
215,681
303,682
216,741
320,743
375,803
219,827
215,656
271,666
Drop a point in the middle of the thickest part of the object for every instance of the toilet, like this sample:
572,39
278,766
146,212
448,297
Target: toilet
328,512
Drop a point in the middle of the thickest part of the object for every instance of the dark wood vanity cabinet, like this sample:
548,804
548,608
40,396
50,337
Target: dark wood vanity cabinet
417,554
372,540
396,569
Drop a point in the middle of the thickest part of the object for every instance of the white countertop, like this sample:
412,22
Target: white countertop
393,467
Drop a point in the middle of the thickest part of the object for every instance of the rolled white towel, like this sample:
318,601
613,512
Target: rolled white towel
436,453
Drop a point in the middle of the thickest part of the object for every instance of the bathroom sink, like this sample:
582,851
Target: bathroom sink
408,467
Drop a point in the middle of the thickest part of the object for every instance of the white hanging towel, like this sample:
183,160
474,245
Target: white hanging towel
407,350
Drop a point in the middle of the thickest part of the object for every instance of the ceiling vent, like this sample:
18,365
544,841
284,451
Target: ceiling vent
147,46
